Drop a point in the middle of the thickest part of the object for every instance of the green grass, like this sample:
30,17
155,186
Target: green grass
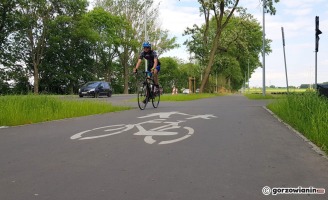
307,113
18,110
271,93
260,96
275,90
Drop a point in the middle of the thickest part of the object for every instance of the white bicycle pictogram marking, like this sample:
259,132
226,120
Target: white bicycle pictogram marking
165,130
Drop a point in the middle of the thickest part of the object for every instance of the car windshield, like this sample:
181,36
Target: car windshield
92,84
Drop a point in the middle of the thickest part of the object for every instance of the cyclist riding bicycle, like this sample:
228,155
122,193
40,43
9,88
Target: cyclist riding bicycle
153,62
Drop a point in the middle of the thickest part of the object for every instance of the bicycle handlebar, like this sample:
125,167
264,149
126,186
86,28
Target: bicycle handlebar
142,72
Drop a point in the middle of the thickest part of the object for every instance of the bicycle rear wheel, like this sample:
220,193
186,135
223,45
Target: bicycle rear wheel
156,98
143,96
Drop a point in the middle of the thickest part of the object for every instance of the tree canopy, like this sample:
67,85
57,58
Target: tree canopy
221,11
59,45
56,46
240,47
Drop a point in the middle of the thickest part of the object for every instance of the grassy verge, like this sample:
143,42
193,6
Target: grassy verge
260,96
307,113
276,90
18,110
272,93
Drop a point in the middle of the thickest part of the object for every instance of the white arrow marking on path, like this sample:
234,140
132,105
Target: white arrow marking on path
164,115
202,117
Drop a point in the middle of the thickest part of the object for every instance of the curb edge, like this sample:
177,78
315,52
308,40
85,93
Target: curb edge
314,147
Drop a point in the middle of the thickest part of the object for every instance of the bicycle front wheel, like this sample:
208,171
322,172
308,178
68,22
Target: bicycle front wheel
156,98
143,96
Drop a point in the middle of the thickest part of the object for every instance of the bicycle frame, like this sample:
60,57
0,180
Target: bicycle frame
149,81
147,91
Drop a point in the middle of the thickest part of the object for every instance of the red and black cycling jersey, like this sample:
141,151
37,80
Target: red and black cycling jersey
150,56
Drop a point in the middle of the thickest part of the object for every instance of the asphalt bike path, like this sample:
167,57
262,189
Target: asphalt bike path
219,148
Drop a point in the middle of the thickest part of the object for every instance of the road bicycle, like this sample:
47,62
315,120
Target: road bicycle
148,92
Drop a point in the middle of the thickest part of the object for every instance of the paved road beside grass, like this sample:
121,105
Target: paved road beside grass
232,148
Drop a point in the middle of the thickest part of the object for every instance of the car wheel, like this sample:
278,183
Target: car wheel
80,95
109,94
96,95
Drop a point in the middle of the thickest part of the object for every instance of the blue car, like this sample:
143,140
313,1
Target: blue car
96,89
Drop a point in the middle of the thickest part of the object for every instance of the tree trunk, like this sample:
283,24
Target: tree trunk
109,80
36,79
71,89
210,61
126,71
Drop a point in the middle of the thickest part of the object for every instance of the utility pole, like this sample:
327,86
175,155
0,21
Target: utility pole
317,33
245,84
248,74
145,27
263,49
283,44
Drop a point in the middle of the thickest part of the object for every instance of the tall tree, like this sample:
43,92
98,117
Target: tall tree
240,46
67,62
134,11
172,75
221,11
35,18
12,70
32,36
9,23
109,33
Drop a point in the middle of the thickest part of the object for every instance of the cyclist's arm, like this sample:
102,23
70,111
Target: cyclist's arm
155,60
137,65
155,63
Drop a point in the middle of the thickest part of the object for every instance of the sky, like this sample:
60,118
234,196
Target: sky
298,20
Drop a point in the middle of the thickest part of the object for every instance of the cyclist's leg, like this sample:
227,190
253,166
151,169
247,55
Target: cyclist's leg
156,71
149,75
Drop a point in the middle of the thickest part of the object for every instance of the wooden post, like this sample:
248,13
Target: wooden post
192,84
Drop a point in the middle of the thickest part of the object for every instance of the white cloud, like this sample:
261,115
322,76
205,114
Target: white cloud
176,18
299,12
297,18
301,3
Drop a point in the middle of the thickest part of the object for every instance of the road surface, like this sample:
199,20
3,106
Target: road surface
220,148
